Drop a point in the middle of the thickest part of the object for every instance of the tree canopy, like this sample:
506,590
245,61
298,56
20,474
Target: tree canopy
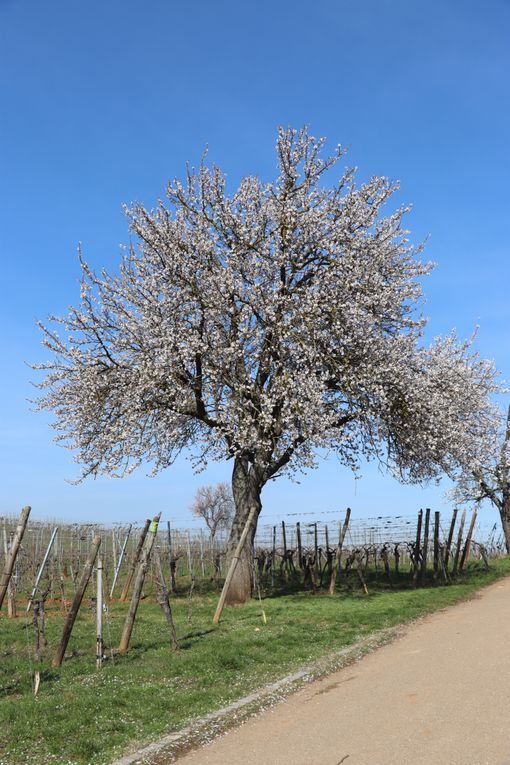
262,325
265,325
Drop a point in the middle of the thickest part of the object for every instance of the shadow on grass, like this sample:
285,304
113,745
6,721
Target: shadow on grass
376,581
192,638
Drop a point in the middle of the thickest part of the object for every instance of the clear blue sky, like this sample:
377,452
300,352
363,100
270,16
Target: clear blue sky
103,102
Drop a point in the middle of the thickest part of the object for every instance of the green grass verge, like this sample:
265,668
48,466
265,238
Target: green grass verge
84,716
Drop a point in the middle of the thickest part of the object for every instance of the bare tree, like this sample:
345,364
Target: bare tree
262,325
215,505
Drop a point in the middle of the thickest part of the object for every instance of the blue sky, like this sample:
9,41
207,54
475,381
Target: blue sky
101,103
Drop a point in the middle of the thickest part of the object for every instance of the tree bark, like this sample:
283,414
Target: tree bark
246,487
504,512
233,565
73,611
143,566
136,560
11,558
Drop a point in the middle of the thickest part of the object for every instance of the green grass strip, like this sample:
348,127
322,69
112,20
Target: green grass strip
82,716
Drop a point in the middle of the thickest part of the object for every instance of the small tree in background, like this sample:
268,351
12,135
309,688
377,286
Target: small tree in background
261,325
215,505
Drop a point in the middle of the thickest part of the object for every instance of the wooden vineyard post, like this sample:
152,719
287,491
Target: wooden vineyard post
233,566
338,555
138,585
201,547
11,595
467,546
316,549
188,554
328,561
11,558
138,552
483,553
284,542
273,558
396,556
417,549
450,539
436,544
73,611
99,614
459,543
163,598
170,556
299,547
444,572
425,549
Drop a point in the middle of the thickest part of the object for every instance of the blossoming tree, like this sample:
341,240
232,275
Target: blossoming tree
264,325
489,479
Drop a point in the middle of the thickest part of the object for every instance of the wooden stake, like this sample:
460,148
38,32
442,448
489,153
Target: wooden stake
423,570
164,599
338,555
299,547
273,559
11,558
485,558
73,611
285,560
459,543
360,574
436,544
171,563
284,540
188,551
316,549
450,538
99,614
134,564
467,546
417,549
11,595
138,585
233,565
444,572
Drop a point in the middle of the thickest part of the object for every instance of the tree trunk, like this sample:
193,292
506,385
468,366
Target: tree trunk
504,512
246,488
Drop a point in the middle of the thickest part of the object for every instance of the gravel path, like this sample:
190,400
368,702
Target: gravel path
440,694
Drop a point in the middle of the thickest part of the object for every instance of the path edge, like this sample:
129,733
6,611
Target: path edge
202,730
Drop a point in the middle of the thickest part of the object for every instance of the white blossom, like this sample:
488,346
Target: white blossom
265,324
489,477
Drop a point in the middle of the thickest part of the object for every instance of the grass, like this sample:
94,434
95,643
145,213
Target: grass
84,716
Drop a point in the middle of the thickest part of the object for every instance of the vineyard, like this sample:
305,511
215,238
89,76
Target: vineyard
50,557
72,593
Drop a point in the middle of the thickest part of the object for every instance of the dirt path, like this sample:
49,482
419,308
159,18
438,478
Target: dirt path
438,695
